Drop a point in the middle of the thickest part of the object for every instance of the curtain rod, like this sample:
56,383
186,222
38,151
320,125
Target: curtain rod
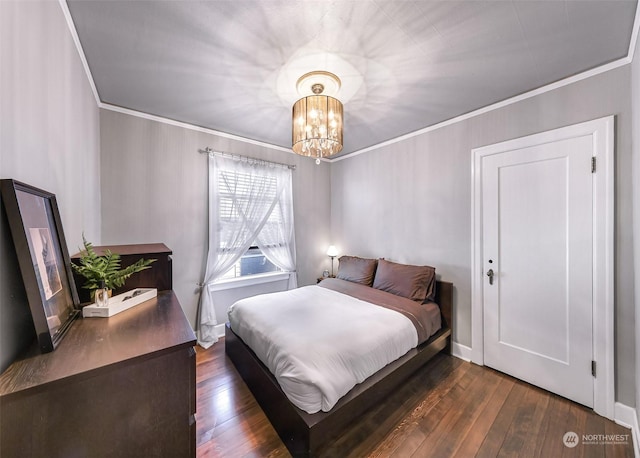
208,150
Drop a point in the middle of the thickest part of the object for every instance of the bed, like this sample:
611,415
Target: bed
305,428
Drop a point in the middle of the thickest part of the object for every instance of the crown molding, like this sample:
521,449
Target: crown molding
76,40
184,125
527,95
547,88
634,34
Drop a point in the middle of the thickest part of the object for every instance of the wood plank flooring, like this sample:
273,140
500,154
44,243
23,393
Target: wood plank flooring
449,408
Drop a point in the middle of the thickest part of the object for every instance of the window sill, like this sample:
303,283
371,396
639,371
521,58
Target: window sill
249,280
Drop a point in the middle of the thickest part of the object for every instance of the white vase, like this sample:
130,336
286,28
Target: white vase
102,297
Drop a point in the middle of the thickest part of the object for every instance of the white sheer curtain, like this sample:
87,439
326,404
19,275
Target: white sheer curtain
276,240
243,196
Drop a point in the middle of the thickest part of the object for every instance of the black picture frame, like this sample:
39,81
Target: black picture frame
43,258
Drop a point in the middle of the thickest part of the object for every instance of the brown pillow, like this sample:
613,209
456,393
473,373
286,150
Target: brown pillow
357,270
413,282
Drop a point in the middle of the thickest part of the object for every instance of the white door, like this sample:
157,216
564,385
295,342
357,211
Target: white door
537,226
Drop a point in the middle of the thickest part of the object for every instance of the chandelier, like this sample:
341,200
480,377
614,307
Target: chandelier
317,118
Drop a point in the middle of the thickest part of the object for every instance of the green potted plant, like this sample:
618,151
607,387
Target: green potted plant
104,272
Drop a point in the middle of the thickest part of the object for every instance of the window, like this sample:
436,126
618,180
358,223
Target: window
250,221
235,191
252,262
252,207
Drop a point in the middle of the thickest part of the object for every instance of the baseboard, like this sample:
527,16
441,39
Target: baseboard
461,351
219,330
627,416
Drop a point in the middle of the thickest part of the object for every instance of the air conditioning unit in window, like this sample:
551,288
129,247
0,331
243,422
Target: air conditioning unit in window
254,262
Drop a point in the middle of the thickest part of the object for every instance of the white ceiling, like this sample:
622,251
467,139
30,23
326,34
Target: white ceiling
232,65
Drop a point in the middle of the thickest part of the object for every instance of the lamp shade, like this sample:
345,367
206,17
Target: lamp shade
318,117
332,251
317,126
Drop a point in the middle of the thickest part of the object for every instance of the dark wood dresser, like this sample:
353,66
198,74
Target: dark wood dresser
119,386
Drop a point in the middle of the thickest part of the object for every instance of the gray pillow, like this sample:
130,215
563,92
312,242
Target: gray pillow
413,282
357,270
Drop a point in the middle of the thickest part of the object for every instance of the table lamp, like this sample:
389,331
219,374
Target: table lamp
332,252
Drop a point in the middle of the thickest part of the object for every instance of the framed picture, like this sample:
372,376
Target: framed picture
36,229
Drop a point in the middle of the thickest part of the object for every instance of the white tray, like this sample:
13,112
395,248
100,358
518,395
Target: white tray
119,303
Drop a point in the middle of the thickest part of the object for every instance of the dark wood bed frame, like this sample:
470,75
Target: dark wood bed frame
303,433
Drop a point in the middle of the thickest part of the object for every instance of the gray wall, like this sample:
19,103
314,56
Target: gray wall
635,106
154,189
49,134
411,201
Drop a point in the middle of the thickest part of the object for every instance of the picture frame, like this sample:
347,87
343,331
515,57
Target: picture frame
43,258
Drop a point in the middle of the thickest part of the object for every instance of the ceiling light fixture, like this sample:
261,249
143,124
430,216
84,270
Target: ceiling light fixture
318,118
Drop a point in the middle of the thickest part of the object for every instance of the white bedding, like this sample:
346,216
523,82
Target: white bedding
320,343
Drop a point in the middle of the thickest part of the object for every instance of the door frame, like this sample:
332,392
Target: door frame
602,132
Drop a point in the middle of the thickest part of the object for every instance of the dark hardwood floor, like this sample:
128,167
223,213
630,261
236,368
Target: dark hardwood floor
447,408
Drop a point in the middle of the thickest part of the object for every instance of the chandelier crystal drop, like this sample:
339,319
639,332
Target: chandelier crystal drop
318,118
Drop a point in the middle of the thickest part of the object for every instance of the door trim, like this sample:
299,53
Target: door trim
602,132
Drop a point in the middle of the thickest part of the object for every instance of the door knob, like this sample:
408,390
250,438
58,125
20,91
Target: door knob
490,275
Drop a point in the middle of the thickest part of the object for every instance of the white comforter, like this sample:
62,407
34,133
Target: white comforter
320,343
